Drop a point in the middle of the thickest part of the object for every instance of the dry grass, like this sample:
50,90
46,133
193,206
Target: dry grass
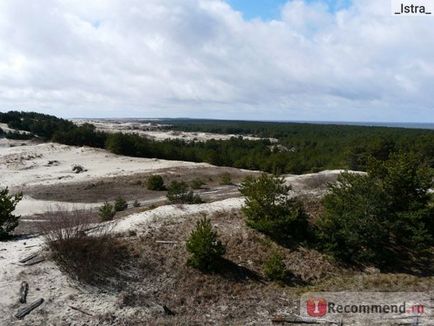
237,294
155,275
87,252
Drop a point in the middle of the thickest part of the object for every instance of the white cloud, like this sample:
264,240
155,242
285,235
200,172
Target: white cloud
201,58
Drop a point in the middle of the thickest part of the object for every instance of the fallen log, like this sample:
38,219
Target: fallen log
34,261
27,258
21,313
24,289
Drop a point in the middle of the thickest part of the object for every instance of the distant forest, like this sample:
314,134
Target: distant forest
300,148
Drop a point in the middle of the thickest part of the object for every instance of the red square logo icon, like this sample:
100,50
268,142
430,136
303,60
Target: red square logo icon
316,307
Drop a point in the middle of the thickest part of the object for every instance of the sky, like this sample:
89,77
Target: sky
237,59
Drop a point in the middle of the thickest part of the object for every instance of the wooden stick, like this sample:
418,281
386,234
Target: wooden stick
82,311
21,313
166,242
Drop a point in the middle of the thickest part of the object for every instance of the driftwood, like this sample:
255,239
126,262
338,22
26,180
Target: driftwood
31,246
24,289
21,313
27,258
80,310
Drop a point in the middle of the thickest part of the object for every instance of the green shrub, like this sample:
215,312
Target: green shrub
381,218
107,212
354,224
8,221
196,183
179,193
269,209
225,179
204,246
274,268
120,204
156,182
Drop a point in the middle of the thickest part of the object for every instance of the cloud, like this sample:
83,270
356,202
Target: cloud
201,58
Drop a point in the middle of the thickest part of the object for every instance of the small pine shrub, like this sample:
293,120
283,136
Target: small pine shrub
274,268
197,183
204,246
225,179
8,221
120,204
155,182
178,193
270,209
107,212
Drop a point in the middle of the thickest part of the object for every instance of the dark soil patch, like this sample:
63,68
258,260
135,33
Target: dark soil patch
130,187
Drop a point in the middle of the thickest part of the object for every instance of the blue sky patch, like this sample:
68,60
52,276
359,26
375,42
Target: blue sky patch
270,9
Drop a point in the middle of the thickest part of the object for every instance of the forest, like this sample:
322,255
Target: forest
301,147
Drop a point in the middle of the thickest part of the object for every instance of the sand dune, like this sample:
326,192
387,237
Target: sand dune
52,164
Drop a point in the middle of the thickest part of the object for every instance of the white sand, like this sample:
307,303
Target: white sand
5,128
29,165
30,206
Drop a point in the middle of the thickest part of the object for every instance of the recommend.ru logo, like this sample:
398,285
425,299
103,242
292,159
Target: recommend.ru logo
363,306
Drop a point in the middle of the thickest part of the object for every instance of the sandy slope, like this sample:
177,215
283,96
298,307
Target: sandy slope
59,292
52,163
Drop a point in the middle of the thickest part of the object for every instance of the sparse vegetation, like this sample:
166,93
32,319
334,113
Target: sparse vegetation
197,183
179,193
270,209
86,257
120,204
155,182
107,212
8,221
204,246
225,179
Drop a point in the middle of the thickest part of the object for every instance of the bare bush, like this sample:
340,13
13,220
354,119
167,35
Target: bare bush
88,252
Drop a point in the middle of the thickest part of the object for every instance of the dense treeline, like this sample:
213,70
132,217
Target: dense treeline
45,126
300,148
316,147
